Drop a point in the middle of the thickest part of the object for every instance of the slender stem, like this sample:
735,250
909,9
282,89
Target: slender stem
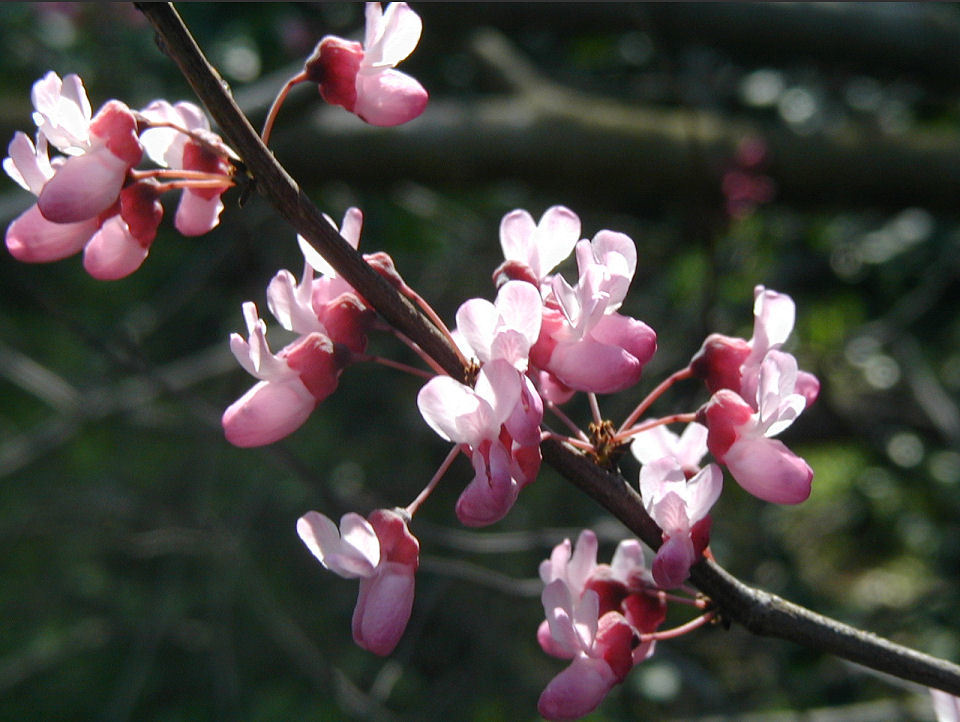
676,598
595,409
433,316
654,395
196,184
395,365
417,350
681,630
576,443
672,419
412,507
277,102
567,421
184,174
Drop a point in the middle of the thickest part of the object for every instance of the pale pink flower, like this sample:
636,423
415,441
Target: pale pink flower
384,555
362,79
532,250
680,508
291,384
739,436
584,342
594,615
199,209
497,422
733,363
659,442
62,112
506,329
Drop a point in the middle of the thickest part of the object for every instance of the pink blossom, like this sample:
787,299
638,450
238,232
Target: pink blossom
680,508
532,250
739,436
659,442
362,79
733,363
291,384
86,185
333,302
584,342
506,329
199,209
497,422
594,615
114,243
384,555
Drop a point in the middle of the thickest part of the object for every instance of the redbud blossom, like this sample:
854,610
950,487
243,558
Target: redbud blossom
659,442
533,250
680,508
739,436
291,385
199,209
362,79
594,615
384,555
497,437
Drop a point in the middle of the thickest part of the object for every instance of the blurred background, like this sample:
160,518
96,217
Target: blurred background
151,571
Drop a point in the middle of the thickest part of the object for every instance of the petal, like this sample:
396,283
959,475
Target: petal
31,238
354,555
443,402
671,566
591,366
774,315
197,215
492,492
703,490
268,412
477,320
557,234
389,97
517,238
29,166
383,608
112,252
769,470
577,690
83,187
655,443
520,308
390,38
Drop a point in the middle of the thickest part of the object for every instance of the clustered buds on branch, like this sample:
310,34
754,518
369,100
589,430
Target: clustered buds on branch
541,341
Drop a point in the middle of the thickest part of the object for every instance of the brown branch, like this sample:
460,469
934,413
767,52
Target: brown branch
759,612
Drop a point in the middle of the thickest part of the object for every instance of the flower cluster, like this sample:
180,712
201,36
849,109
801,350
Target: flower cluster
92,198
541,340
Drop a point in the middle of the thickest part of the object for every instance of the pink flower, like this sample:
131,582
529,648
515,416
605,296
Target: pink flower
496,422
739,436
659,442
199,209
291,384
362,79
594,615
86,185
384,555
329,300
732,363
680,508
584,342
114,242
533,250
506,329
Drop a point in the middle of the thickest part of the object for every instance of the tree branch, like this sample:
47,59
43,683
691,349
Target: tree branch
759,612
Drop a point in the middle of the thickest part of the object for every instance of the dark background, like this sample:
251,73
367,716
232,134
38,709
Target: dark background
150,571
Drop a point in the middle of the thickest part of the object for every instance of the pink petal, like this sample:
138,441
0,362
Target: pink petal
774,316
671,566
392,36
591,366
389,97
113,252
83,187
383,608
577,690
493,491
31,238
268,412
196,215
517,237
557,234
355,554
769,470
633,336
